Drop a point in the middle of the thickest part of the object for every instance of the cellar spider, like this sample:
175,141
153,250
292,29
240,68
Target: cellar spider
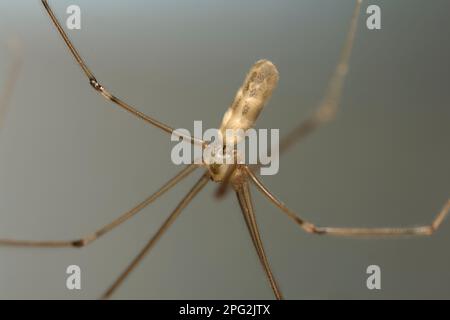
258,85
11,78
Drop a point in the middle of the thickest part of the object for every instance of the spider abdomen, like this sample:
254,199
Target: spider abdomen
251,97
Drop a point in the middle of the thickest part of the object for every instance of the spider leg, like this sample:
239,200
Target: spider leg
104,92
105,229
425,230
223,188
326,110
245,202
167,223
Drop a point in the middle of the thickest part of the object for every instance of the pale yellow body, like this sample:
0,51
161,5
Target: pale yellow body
250,99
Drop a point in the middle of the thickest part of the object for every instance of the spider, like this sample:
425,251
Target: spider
262,78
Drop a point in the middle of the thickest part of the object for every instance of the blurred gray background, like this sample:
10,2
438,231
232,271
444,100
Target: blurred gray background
71,162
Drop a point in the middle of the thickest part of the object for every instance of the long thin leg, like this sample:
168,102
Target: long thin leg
326,110
100,232
353,232
105,93
11,79
223,188
245,202
167,223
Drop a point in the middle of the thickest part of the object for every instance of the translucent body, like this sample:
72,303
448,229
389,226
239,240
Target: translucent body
250,99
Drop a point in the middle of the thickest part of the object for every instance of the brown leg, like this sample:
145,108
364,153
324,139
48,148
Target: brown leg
326,110
223,188
352,232
100,232
245,202
99,88
169,221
